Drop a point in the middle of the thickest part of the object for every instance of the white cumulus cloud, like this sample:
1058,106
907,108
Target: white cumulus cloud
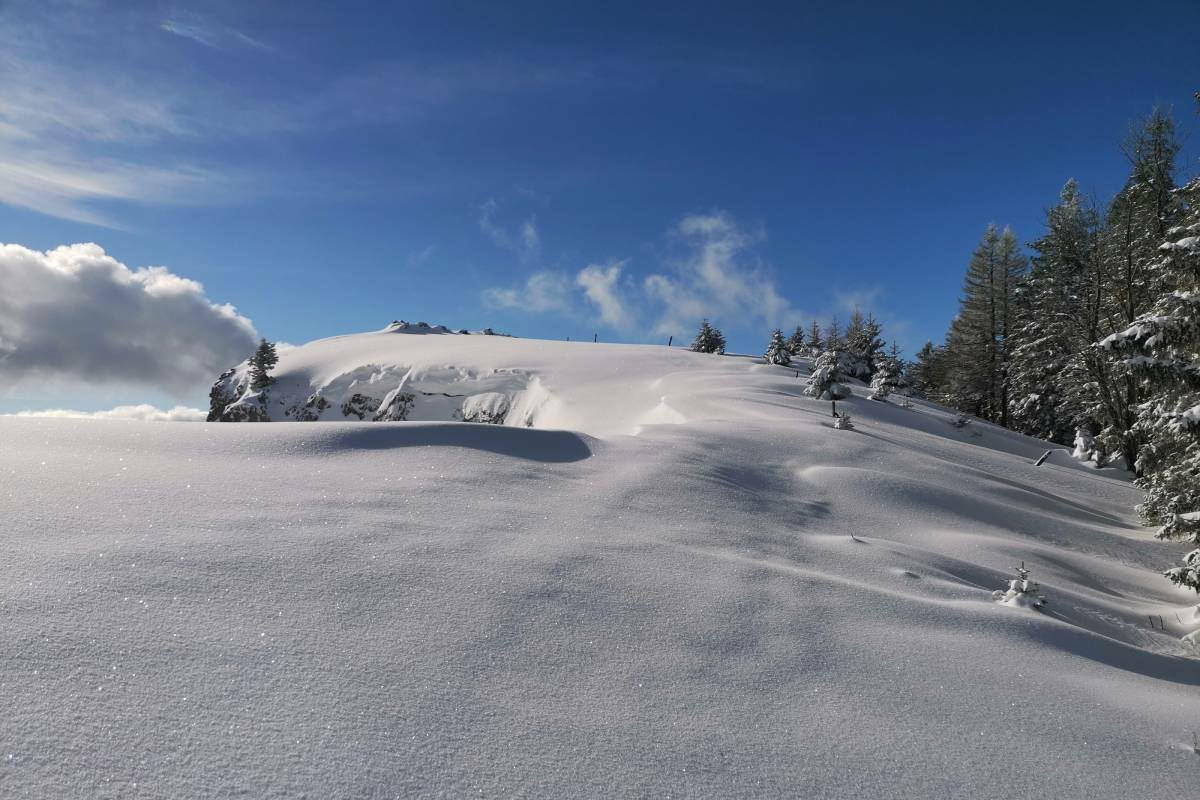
718,278
600,286
139,413
76,315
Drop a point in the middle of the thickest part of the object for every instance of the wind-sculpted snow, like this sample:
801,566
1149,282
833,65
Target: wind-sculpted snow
416,372
744,603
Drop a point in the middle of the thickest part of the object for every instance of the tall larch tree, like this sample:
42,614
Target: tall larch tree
974,345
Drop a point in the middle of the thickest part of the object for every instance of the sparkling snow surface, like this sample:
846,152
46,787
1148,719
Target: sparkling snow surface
437,609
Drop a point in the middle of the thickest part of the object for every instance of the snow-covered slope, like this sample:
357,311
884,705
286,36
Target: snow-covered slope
682,582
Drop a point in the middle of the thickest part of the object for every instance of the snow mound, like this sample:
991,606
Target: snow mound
434,374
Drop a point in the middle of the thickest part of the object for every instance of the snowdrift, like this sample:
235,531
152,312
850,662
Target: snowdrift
679,581
417,372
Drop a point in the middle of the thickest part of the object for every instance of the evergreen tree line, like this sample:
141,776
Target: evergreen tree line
1094,339
859,349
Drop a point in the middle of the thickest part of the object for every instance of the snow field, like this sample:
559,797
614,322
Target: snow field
743,602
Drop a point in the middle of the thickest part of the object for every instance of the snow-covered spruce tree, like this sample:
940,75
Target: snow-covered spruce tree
261,364
816,342
879,387
826,380
899,369
708,340
1021,592
1085,445
777,350
1161,349
1056,324
886,379
833,336
1136,225
863,346
795,342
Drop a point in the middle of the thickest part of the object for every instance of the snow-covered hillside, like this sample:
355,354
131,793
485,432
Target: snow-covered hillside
680,581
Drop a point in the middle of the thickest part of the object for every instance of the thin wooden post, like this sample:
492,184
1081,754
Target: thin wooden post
594,337
670,339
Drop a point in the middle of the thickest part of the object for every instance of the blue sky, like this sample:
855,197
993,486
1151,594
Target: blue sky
555,169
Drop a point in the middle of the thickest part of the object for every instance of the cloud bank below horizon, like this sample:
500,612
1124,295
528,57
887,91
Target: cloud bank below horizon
75,315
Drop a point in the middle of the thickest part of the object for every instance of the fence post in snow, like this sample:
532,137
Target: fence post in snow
594,337
1045,455
670,339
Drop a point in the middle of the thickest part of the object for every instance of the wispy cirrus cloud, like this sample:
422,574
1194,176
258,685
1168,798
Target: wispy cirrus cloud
77,133
63,185
523,240
421,257
122,90
202,31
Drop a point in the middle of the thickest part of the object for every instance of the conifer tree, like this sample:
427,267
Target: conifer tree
708,340
261,364
853,327
795,342
925,373
889,375
977,346
833,336
827,379
880,388
777,350
1056,324
1011,268
899,369
1161,349
1136,224
863,345
816,343
1021,592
